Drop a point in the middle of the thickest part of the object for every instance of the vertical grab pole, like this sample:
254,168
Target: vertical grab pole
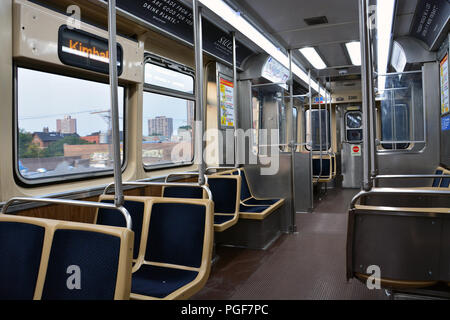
310,138
236,147
372,110
113,83
200,114
365,79
293,226
320,133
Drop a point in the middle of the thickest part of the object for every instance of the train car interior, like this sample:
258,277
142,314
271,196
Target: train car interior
224,150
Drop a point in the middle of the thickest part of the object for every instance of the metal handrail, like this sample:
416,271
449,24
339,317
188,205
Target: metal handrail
80,203
142,184
223,168
395,191
410,176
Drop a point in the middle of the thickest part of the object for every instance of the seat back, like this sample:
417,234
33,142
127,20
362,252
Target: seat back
64,260
136,206
179,232
226,192
445,182
89,263
326,167
409,245
183,192
21,246
437,181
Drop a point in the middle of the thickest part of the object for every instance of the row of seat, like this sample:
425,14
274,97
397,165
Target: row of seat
51,260
441,182
250,206
166,255
403,232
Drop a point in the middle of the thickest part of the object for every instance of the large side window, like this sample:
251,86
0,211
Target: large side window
63,127
168,114
314,128
402,112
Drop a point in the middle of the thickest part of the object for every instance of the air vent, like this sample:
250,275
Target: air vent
316,20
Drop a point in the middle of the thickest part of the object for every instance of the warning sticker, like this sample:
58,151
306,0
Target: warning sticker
356,151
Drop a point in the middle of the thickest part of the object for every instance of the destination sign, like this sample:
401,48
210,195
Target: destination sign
85,50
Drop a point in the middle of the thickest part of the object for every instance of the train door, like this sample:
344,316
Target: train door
351,153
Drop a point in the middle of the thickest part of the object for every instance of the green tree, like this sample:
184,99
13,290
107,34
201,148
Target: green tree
25,139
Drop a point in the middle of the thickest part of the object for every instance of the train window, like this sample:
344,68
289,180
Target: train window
63,126
353,124
312,127
168,116
402,112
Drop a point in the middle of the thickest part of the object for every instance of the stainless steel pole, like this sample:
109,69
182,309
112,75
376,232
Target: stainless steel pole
198,45
236,114
293,227
365,79
113,83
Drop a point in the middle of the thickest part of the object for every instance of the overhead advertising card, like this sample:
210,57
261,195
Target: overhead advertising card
226,97
444,85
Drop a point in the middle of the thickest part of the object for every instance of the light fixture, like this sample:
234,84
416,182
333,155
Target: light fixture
235,19
384,22
354,51
313,58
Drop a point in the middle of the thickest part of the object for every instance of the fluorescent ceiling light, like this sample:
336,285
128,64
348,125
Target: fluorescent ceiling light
354,51
234,18
384,20
313,58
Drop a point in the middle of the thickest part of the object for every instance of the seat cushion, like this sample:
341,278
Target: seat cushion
265,202
256,209
159,282
219,219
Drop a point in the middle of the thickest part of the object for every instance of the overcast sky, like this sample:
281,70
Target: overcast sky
45,97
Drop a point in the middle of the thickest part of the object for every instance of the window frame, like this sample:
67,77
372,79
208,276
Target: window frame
149,88
70,177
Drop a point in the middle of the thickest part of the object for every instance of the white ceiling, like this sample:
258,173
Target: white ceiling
284,20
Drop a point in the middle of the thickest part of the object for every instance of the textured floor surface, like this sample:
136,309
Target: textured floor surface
306,265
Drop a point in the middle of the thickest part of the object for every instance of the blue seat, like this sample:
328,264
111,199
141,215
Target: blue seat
176,251
255,209
183,192
221,219
97,257
111,217
159,282
21,246
61,260
224,193
247,197
437,181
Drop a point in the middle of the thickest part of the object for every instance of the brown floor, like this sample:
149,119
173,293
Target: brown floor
306,265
